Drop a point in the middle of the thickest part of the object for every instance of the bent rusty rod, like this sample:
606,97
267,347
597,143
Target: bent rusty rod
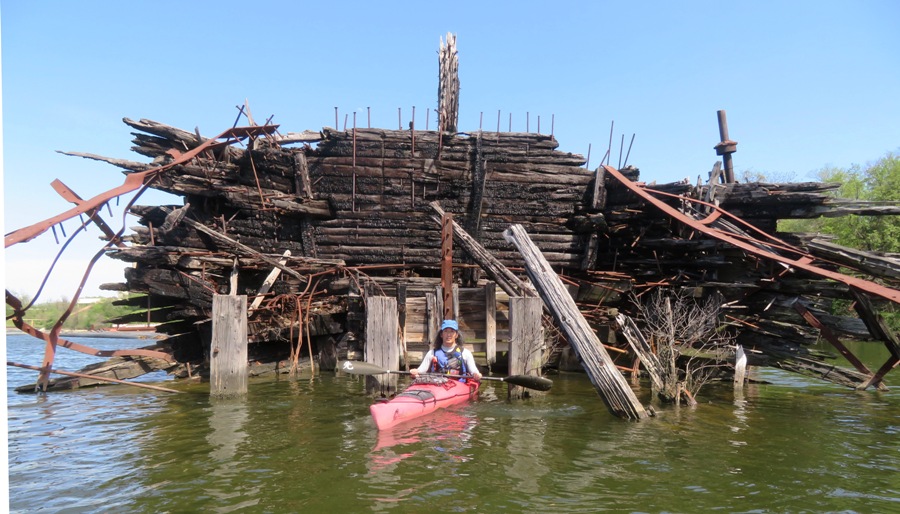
133,182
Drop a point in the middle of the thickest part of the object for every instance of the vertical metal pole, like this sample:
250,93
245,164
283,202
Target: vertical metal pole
726,147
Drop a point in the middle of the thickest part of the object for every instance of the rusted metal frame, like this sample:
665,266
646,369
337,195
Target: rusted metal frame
839,346
17,320
52,339
132,182
875,323
718,212
67,194
887,293
888,365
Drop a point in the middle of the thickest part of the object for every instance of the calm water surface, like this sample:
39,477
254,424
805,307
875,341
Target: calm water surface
308,445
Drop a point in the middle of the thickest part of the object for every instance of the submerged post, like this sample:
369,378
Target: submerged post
228,349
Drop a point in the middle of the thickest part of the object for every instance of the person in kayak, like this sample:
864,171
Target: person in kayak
448,355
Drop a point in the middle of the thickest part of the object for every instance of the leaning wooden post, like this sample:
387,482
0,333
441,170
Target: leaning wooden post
228,352
382,348
526,340
609,383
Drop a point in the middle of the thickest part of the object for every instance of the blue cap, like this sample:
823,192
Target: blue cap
450,323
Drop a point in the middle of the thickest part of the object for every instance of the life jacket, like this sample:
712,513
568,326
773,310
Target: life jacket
451,362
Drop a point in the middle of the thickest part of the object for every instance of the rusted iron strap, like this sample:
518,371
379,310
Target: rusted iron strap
833,339
30,330
879,375
133,182
67,194
887,293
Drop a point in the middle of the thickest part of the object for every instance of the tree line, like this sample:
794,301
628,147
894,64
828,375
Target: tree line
89,316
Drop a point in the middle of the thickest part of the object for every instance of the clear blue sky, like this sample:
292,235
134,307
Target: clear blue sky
806,84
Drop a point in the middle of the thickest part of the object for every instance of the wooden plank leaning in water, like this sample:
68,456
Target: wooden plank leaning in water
93,377
609,383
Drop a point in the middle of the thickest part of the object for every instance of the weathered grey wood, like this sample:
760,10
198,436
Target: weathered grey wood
433,315
448,85
609,383
382,348
267,283
490,323
228,350
875,263
740,368
526,341
401,321
642,349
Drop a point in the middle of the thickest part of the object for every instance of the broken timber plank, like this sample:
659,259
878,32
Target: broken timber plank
641,347
609,383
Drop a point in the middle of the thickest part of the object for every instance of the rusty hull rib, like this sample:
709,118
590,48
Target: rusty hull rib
135,180
803,263
91,207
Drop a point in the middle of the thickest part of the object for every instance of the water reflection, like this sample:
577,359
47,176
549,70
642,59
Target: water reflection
227,419
446,431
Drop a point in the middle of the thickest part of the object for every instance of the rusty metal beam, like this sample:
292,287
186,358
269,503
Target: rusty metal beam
35,332
67,194
833,339
887,293
135,181
447,264
888,365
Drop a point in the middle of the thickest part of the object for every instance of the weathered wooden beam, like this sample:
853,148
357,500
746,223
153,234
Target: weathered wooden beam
607,380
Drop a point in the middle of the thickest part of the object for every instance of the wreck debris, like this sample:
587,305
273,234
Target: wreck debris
348,215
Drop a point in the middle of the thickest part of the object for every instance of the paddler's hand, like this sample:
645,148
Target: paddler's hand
476,376
414,373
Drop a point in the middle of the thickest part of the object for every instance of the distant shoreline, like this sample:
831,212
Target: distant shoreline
111,334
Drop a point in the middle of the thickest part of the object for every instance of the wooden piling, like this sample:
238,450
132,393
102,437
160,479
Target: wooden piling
228,349
382,348
526,340
490,323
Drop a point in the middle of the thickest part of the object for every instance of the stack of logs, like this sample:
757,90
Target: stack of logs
352,208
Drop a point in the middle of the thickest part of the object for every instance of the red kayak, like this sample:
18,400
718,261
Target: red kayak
420,399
